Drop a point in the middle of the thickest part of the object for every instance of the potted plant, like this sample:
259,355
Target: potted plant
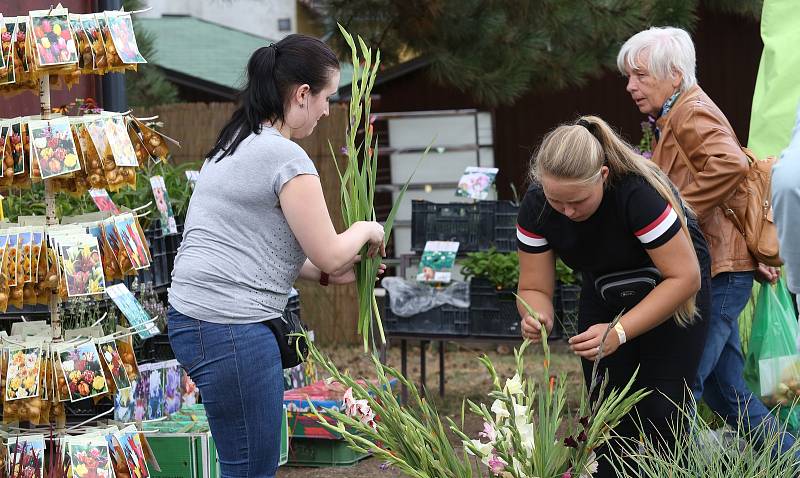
494,277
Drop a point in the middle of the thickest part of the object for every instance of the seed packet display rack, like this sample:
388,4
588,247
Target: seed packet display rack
44,52
52,46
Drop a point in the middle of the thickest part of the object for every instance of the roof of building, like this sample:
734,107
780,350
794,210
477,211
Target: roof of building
204,54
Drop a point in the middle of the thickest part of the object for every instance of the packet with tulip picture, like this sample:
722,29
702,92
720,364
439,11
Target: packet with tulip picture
53,147
92,30
89,456
52,36
121,29
83,372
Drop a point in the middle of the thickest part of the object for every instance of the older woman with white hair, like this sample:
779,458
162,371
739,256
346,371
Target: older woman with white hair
698,149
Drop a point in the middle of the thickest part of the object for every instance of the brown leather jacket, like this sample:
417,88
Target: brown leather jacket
696,124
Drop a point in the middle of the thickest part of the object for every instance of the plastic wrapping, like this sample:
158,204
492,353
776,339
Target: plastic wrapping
407,298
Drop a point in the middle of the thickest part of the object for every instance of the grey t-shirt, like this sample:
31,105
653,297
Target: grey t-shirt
238,258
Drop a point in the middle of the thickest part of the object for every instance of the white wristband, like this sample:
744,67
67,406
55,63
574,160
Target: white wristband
620,333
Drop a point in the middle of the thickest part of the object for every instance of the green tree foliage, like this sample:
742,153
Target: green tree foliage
496,50
148,86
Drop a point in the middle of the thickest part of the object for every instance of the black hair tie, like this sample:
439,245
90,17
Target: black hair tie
274,46
592,128
589,126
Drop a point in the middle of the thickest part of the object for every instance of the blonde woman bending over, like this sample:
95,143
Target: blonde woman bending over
615,217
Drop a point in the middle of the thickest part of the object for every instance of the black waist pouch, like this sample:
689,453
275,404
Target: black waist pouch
294,349
627,288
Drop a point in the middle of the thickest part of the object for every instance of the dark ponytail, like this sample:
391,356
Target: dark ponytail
272,73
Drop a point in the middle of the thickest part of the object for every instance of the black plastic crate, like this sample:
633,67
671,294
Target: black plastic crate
476,226
86,409
505,226
443,320
469,224
567,311
155,349
492,312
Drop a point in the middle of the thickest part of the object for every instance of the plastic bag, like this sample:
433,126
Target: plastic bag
772,366
407,298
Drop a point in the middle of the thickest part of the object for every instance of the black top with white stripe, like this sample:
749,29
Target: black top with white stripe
631,218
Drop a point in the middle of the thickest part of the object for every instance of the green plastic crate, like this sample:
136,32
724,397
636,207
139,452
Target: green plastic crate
321,452
184,455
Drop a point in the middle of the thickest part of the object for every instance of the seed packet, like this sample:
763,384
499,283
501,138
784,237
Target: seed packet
53,38
5,289
84,45
22,52
22,377
123,403
10,264
113,365
62,389
92,30
476,182
155,393
91,158
26,454
133,311
141,393
135,135
7,30
5,36
114,61
115,175
118,462
121,29
437,261
154,142
17,148
82,371
172,387
131,239
24,266
83,268
120,142
7,176
54,147
190,394
89,457
37,242
118,251
130,441
103,201
164,206
128,359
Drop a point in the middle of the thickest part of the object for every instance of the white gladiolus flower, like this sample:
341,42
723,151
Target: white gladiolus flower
499,409
484,449
514,385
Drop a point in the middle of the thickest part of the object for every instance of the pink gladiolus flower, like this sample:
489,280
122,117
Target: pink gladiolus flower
496,465
488,432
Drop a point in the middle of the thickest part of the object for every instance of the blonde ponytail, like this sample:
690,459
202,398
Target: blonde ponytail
578,151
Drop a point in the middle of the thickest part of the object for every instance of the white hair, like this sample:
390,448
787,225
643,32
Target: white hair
668,50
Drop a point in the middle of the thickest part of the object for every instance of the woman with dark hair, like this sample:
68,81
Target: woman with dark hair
256,222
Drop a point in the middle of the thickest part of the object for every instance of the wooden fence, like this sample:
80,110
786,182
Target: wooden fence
332,312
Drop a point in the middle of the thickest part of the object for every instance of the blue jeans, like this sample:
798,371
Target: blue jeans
720,375
237,369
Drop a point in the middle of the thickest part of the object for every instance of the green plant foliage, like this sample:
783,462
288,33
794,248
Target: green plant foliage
502,269
30,202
